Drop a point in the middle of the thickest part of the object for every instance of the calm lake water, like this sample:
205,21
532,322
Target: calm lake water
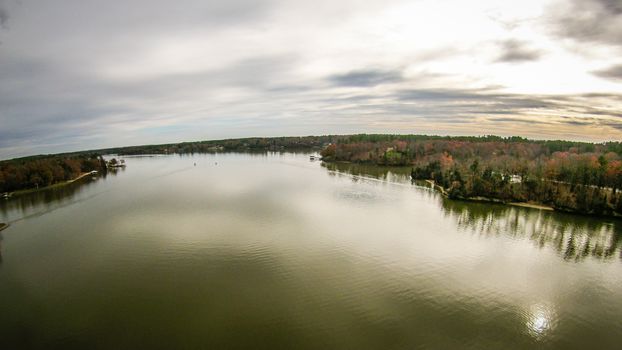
274,251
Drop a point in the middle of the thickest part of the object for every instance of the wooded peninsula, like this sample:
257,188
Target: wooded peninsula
568,176
46,170
577,177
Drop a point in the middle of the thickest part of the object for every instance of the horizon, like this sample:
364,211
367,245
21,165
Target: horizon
301,136
81,75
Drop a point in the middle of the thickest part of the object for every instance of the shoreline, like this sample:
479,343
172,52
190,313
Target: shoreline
56,185
481,199
532,205
529,205
492,200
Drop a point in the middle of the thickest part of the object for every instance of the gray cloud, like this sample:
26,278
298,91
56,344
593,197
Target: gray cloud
519,120
515,51
597,21
612,6
366,78
614,72
4,15
453,95
615,125
63,104
479,109
570,110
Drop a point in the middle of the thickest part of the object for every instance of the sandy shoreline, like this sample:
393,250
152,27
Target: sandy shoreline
531,205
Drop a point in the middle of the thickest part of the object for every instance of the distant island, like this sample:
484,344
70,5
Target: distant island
578,177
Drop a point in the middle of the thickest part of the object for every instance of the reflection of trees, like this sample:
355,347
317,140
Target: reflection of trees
574,237
51,196
385,173
113,171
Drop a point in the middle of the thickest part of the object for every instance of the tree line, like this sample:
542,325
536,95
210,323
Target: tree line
570,176
41,171
253,144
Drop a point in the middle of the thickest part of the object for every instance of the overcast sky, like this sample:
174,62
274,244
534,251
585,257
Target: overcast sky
83,74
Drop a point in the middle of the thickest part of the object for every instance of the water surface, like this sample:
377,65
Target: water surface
275,251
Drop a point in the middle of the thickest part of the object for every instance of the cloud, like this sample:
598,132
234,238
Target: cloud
611,6
366,78
514,51
580,110
613,73
86,107
519,120
4,15
445,94
615,125
596,21
79,74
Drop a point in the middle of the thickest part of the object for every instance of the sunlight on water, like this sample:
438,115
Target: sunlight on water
541,320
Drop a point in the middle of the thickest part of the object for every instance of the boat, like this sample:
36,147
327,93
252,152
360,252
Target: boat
3,226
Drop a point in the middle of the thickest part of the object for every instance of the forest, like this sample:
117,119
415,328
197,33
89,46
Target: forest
569,176
45,170
258,144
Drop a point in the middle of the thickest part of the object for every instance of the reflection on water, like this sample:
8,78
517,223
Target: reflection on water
358,171
274,251
42,201
574,237
541,319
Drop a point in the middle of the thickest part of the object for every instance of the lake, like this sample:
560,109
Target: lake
274,251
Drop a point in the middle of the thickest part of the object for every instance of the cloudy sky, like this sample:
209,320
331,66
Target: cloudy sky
83,74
